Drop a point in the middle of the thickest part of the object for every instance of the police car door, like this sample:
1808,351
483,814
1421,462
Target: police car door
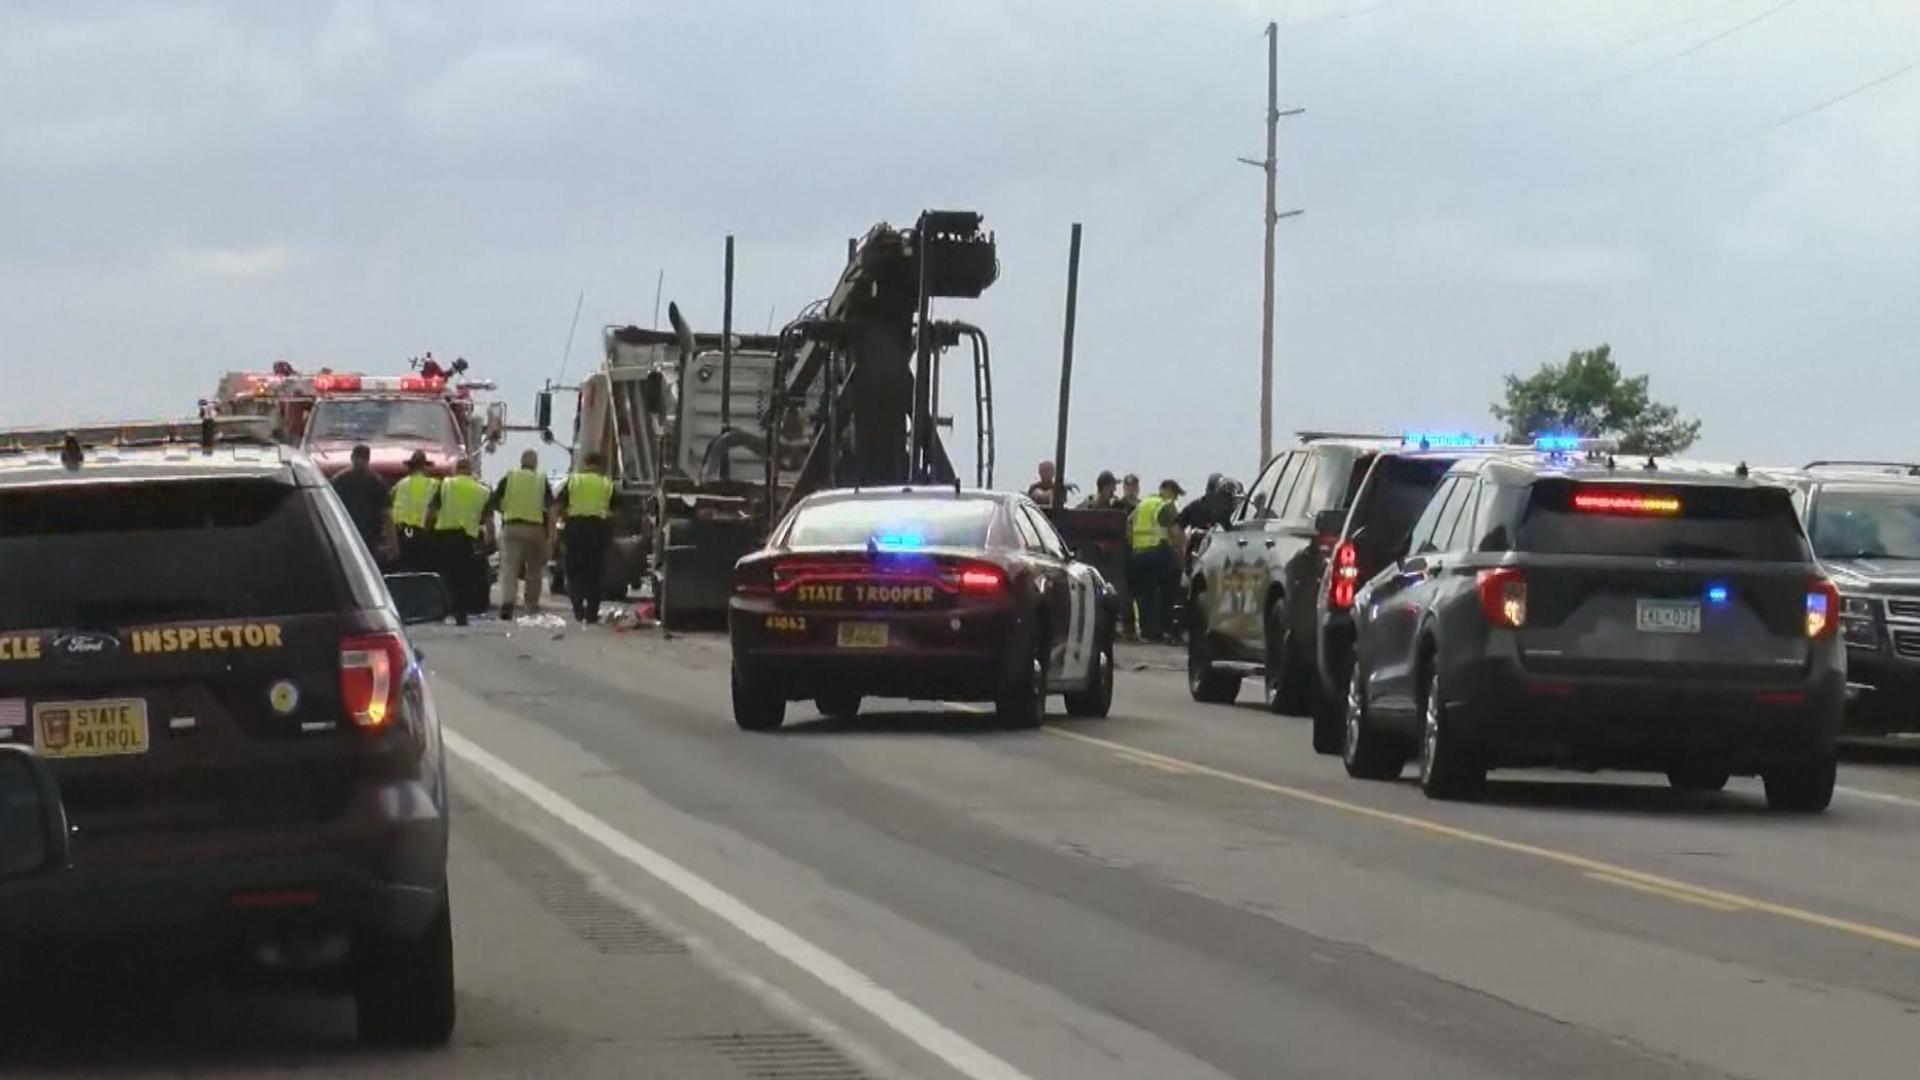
1398,599
1068,600
1236,610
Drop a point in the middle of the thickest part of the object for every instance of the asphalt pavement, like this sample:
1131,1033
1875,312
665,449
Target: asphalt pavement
1176,891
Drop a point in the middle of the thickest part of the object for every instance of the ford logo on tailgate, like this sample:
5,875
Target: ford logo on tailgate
84,643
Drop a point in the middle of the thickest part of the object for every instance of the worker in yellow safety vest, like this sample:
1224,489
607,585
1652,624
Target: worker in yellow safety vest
525,502
1153,558
457,520
585,502
412,501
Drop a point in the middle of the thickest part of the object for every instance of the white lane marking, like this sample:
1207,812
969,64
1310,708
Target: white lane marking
949,1046
1878,796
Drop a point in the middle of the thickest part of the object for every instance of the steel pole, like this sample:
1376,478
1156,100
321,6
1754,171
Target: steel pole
1066,369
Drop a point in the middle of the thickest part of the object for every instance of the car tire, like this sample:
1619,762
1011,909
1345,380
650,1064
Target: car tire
1288,688
1801,789
1329,721
756,706
1367,752
1698,777
1449,769
1096,701
1024,704
838,706
1207,685
403,989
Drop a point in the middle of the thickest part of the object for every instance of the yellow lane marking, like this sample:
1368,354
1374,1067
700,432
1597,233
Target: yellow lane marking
1670,894
1152,763
1563,858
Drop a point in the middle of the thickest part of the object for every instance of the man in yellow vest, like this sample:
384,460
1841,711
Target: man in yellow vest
525,503
585,501
1153,560
412,499
456,522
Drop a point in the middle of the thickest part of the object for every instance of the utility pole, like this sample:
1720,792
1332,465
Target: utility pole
1271,166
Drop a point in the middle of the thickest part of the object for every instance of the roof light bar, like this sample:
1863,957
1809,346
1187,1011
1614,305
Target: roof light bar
1445,440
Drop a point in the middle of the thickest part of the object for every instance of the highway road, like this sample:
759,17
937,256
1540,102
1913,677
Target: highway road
1175,891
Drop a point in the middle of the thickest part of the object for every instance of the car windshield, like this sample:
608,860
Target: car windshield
1866,525
110,555
904,523
382,420
1563,517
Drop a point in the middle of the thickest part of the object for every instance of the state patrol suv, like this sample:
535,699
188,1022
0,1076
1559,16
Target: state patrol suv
194,637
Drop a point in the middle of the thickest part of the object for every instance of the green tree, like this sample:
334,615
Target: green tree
1589,396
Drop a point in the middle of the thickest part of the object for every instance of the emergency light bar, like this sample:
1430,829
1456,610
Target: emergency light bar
1574,444
353,382
202,431
1445,440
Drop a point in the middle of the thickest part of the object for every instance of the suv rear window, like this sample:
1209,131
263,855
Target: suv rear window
1395,498
114,554
910,522
1564,517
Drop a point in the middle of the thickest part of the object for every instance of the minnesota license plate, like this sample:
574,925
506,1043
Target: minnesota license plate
77,729
863,635
1667,616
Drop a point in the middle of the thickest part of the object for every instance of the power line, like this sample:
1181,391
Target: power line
1855,92
1706,43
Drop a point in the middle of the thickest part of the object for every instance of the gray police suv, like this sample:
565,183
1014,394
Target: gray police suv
196,645
1568,611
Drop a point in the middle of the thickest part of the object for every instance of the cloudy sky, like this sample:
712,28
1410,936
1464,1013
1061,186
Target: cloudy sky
1725,190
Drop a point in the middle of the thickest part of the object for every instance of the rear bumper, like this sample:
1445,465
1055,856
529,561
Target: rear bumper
1517,718
966,654
379,868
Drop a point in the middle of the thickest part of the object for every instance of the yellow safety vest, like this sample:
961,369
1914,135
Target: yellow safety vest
1147,532
524,501
411,497
589,495
462,500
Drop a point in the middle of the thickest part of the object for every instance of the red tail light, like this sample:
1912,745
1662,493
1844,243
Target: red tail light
1503,597
982,580
1823,609
371,667
1344,580
753,577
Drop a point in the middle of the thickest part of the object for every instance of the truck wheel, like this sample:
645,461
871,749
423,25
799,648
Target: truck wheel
1448,769
1805,788
756,706
403,993
669,613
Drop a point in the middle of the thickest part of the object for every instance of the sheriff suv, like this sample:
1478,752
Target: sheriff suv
1565,611
1864,521
194,640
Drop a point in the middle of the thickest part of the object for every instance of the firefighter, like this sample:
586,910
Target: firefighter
525,503
456,523
412,499
584,502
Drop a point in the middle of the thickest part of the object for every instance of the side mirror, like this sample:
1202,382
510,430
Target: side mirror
33,820
542,411
1329,522
497,423
420,598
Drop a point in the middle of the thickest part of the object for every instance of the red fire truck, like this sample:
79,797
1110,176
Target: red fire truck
327,412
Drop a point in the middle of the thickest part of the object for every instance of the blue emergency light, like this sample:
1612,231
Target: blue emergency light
1717,593
1443,440
901,540
1557,444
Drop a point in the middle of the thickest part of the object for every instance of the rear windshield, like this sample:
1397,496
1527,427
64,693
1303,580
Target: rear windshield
1396,495
960,523
1866,525
108,555
1563,517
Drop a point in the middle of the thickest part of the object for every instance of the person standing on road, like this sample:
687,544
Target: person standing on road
1130,492
455,523
1153,567
366,499
525,502
584,503
412,497
1104,496
1041,491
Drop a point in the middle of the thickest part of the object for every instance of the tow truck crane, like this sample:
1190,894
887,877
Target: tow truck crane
710,438
326,413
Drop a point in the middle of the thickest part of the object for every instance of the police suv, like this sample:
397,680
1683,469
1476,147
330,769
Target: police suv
1573,610
194,640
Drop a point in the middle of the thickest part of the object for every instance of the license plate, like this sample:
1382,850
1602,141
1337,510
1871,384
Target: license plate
863,635
1667,616
78,729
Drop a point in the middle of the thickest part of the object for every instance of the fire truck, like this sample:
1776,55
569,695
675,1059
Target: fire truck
327,413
